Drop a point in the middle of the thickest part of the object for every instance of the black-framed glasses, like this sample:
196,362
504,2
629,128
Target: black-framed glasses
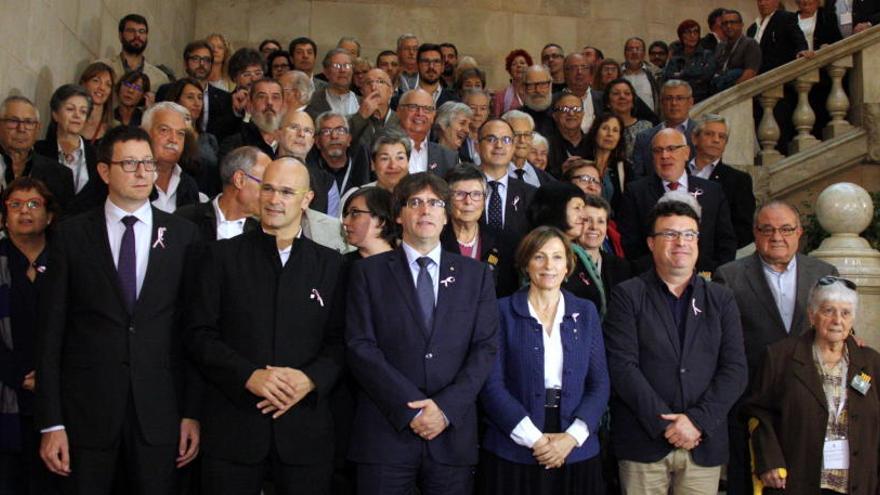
413,107
493,139
334,131
251,177
354,213
416,203
200,60
674,235
131,165
26,124
459,195
784,231
831,279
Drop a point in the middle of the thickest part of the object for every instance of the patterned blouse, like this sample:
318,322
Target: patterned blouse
833,380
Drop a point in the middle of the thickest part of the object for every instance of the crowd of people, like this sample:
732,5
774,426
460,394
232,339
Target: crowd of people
383,278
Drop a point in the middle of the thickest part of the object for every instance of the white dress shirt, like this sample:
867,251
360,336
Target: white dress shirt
808,26
682,181
589,111
643,87
502,191
433,268
783,285
167,200
77,165
418,158
346,104
761,26
526,433
529,177
705,172
226,229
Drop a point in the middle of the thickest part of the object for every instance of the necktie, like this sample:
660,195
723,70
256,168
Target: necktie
520,173
127,265
425,291
673,186
495,221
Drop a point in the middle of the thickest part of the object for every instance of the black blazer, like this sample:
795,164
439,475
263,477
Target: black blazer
653,373
187,191
93,356
614,271
516,205
717,242
205,218
737,187
441,159
95,191
247,135
827,29
782,40
321,178
249,311
222,121
57,177
497,252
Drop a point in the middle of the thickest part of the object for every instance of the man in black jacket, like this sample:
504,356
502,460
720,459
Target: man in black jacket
266,107
778,33
266,331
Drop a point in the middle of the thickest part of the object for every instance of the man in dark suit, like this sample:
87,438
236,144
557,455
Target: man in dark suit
233,211
115,393
508,198
578,81
677,365
266,107
18,133
94,192
779,35
266,331
676,100
717,238
417,112
420,332
523,132
538,98
774,284
217,115
710,137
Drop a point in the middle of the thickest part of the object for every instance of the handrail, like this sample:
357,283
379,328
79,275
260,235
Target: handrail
788,72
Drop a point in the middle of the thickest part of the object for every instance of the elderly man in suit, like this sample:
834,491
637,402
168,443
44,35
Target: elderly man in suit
421,329
676,360
114,391
774,284
337,96
717,239
416,112
676,100
375,113
710,136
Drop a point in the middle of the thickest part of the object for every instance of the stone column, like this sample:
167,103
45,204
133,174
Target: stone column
845,210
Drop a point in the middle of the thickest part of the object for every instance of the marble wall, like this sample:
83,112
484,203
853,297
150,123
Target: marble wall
485,29
46,43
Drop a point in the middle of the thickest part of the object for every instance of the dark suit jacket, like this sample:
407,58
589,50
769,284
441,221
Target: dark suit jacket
441,159
248,135
792,410
781,42
363,131
717,242
827,29
222,121
57,177
95,191
643,159
205,218
737,187
93,356
515,388
614,271
187,191
761,322
496,251
397,360
544,124
863,10
249,311
653,374
516,205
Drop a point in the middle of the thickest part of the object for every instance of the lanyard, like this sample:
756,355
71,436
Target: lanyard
844,364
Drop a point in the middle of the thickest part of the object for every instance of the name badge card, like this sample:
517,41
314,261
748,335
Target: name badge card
835,455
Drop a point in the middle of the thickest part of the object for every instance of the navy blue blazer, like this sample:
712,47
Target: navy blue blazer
396,359
653,374
515,388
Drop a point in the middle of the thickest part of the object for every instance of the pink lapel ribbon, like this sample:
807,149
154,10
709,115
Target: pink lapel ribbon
317,295
160,238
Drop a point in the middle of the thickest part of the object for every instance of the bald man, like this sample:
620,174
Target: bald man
266,331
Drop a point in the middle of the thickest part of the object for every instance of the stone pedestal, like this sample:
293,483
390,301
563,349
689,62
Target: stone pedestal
845,210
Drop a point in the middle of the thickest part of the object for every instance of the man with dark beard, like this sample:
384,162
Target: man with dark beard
266,107
450,63
430,63
134,32
538,83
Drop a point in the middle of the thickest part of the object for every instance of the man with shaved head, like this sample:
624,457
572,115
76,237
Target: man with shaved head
717,243
266,331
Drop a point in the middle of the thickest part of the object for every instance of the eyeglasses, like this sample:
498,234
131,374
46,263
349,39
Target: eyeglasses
131,165
354,213
538,85
251,177
474,195
416,203
659,150
831,279
493,139
784,231
524,136
340,66
285,192
335,131
589,179
27,124
30,204
568,109
412,107
252,74
674,235
370,82
136,87
308,131
200,60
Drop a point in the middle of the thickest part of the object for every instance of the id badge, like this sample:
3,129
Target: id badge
861,383
846,18
835,455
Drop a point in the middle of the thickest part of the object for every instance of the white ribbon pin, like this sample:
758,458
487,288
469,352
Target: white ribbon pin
697,310
697,193
574,316
515,203
160,238
317,295
446,281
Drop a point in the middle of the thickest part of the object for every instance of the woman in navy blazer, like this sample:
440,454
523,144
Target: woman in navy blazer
549,387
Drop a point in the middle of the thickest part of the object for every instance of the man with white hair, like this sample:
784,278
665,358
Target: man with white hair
297,88
168,123
266,106
523,131
538,98
374,113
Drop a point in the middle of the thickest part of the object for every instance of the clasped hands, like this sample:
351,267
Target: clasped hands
681,432
430,421
280,387
552,449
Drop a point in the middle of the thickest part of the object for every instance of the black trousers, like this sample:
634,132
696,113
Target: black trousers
423,473
146,469
739,466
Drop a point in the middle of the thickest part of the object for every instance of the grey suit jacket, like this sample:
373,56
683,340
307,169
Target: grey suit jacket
363,131
441,159
761,322
324,230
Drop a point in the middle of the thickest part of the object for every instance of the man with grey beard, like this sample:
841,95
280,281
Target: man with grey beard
538,84
334,154
266,107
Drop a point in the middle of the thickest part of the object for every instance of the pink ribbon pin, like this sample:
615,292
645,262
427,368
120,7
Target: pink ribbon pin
160,238
584,278
446,281
697,310
697,193
317,296
515,203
